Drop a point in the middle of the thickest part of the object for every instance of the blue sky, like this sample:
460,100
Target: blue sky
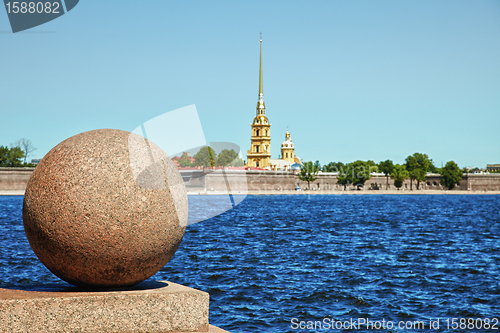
351,79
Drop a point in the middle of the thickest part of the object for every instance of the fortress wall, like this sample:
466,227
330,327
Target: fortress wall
328,181
274,180
257,181
434,183
17,179
489,182
251,180
14,178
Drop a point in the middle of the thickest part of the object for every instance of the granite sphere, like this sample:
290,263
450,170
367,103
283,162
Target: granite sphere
105,208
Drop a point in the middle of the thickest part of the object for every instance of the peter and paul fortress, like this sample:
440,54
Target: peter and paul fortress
259,155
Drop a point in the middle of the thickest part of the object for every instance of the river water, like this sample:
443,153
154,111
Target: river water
278,263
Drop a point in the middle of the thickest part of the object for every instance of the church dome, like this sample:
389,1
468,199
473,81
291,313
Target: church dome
260,120
288,141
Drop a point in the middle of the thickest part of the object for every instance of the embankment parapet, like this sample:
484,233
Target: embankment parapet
16,179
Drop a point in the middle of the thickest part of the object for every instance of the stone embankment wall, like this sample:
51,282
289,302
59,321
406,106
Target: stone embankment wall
489,182
270,181
12,179
17,179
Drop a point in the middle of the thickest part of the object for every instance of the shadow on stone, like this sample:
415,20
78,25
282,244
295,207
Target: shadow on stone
66,287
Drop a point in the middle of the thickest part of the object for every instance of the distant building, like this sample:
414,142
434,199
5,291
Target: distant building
35,161
493,167
288,149
260,148
259,155
288,157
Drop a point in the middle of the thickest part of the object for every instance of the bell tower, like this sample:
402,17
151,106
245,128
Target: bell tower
288,149
260,146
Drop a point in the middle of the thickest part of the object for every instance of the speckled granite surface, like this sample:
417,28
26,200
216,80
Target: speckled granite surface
105,208
214,329
163,307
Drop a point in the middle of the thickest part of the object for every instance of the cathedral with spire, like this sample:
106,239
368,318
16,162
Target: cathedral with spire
259,155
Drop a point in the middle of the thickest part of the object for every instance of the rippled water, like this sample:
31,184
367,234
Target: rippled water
275,258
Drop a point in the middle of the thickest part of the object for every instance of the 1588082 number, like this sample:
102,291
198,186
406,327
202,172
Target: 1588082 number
472,324
33,7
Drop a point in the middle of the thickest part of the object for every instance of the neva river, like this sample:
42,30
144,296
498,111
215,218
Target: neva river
339,257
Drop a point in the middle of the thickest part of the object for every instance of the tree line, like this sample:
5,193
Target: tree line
207,157
16,154
356,173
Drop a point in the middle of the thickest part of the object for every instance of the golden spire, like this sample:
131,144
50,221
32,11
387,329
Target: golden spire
261,90
261,108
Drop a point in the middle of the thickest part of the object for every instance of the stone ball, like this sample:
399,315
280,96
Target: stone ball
105,208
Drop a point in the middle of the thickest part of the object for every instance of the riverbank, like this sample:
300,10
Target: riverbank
366,192
352,192
11,192
14,180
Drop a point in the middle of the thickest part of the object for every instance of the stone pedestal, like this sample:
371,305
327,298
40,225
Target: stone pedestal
149,307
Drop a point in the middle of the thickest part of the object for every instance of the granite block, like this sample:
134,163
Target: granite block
155,307
214,329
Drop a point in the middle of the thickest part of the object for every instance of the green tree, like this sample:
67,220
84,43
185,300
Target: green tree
185,160
373,166
417,165
399,174
356,173
238,162
432,167
450,175
386,168
228,157
342,178
317,165
333,167
206,156
308,173
4,153
14,157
